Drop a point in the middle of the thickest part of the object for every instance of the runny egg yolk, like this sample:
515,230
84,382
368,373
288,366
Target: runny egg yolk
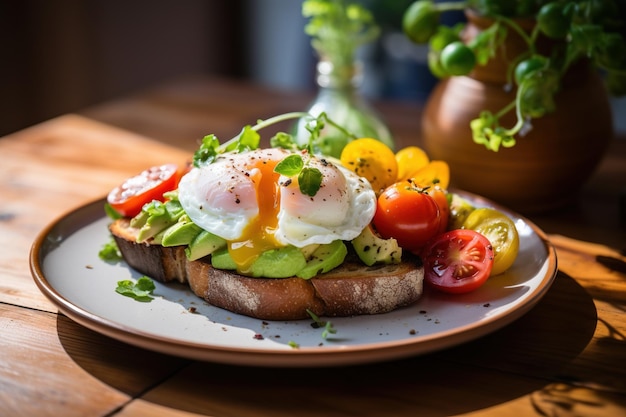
258,235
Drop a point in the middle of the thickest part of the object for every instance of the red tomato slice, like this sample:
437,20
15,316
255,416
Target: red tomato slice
407,214
129,197
458,261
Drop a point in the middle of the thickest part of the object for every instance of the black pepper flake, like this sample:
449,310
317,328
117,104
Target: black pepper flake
412,332
258,336
486,305
422,311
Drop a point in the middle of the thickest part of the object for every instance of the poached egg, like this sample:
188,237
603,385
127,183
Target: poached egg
240,198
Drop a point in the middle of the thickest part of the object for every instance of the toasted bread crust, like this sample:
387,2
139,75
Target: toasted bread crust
350,289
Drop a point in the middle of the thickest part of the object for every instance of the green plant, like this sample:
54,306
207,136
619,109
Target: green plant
575,29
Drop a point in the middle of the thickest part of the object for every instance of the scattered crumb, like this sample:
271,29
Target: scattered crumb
258,336
412,332
422,311
224,329
486,305
191,309
89,266
277,336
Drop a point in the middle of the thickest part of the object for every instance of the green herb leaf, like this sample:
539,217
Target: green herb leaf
283,140
207,152
310,181
290,166
247,140
110,252
140,290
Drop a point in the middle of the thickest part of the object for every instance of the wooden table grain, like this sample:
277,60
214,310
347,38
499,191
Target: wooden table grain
566,357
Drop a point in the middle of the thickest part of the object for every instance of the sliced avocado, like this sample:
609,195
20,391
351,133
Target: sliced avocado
221,259
278,263
205,243
181,233
460,208
156,217
323,259
372,249
308,250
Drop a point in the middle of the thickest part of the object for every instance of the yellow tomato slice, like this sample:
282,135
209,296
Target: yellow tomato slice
500,230
410,160
435,173
373,160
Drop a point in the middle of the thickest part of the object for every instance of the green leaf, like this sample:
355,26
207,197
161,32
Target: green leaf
207,152
140,290
110,252
487,42
283,140
111,212
290,166
310,181
247,140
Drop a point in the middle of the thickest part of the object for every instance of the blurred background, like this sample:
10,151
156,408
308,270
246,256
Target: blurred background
65,55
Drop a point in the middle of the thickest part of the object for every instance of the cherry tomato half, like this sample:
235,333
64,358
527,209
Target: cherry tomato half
129,197
500,230
407,214
458,261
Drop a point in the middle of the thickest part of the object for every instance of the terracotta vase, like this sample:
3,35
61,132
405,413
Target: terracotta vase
547,166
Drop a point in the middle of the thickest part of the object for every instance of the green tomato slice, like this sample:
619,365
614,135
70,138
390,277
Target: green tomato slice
500,230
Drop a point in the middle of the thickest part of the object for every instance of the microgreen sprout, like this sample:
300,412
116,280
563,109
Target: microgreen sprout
318,323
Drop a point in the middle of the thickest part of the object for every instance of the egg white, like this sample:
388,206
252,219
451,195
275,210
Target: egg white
344,205
223,198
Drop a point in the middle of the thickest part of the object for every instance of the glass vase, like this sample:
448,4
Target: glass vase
339,97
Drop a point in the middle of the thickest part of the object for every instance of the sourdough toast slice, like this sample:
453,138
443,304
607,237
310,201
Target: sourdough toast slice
350,289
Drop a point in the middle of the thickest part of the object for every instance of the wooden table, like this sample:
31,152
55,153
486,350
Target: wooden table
566,357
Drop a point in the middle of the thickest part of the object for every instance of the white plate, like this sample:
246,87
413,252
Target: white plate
66,267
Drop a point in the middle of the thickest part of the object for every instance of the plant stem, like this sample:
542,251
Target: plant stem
268,122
